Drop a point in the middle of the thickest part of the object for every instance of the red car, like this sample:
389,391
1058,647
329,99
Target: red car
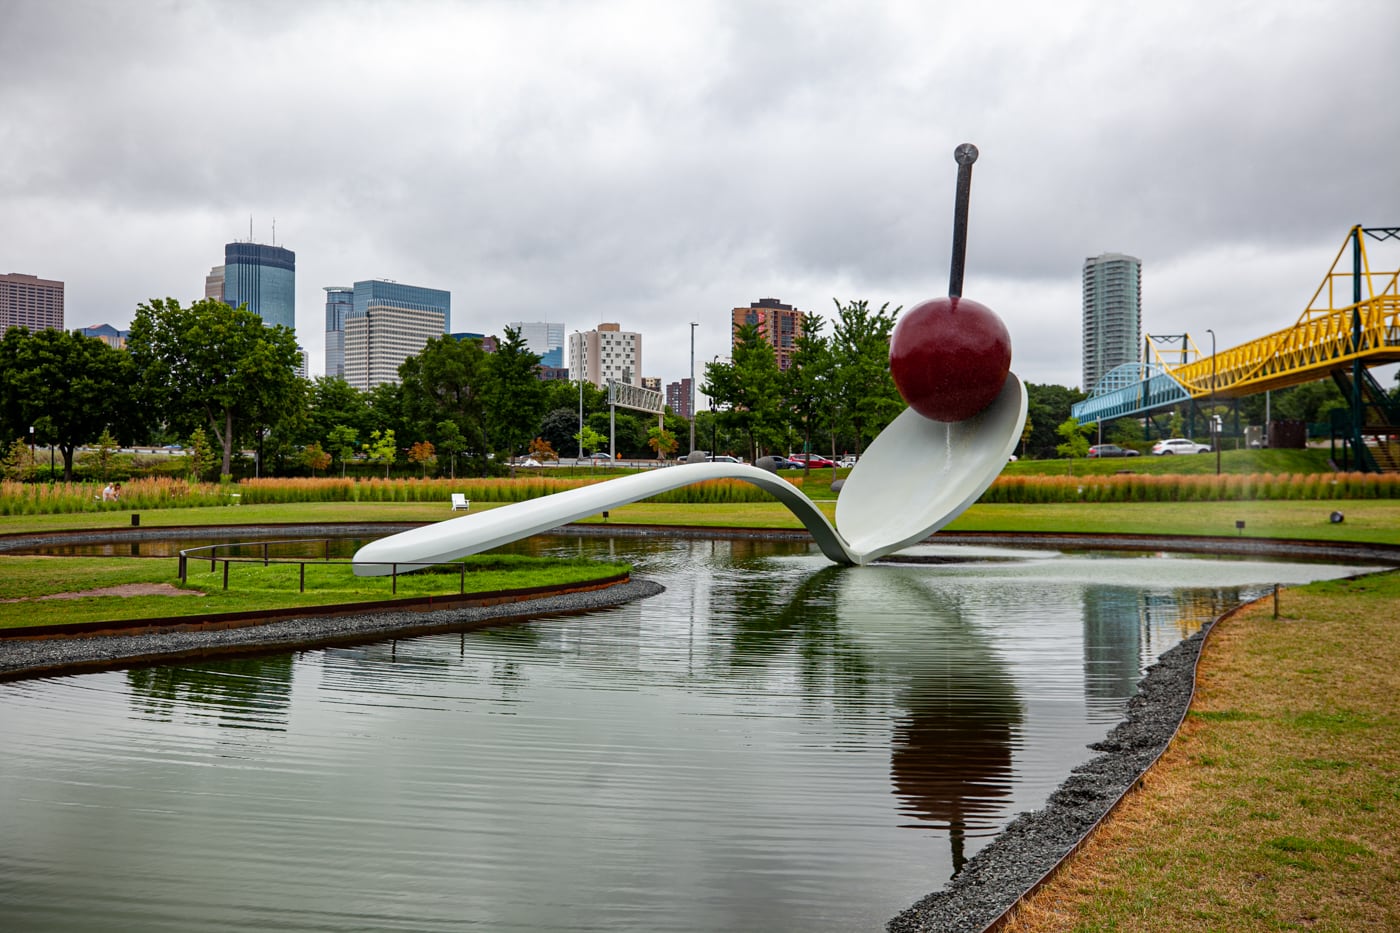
815,461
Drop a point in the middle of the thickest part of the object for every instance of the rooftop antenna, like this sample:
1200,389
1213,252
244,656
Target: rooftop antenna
250,228
274,231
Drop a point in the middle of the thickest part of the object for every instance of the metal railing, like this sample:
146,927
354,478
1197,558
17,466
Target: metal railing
264,555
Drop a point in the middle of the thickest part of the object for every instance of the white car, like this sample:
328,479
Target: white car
1179,445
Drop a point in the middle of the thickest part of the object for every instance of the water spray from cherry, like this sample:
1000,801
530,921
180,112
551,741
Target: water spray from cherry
950,356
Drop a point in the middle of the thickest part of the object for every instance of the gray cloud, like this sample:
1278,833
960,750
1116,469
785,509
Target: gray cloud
656,164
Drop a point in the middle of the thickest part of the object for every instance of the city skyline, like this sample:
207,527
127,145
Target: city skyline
617,161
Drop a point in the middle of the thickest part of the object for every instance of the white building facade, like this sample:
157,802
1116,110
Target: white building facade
1112,323
607,353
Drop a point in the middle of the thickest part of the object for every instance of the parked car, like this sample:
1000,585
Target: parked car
599,455
1179,445
724,458
815,461
1111,450
847,462
783,463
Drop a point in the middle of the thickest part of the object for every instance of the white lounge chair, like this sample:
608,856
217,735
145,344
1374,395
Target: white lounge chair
460,501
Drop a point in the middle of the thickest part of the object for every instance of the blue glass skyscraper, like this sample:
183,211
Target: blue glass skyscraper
265,279
339,301
382,293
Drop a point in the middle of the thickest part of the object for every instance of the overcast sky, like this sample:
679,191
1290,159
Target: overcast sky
657,163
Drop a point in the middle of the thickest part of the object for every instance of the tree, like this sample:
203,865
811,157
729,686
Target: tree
334,401
450,439
18,461
1046,407
341,441
1076,442
106,452
866,397
214,364
315,457
68,387
202,457
515,396
446,381
381,449
662,441
810,388
590,439
749,389
542,450
423,454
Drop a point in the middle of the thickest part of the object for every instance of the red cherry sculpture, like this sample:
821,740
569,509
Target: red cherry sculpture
949,357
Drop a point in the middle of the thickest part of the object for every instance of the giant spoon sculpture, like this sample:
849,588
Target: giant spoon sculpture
950,359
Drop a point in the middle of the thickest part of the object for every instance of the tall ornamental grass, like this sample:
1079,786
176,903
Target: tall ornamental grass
1234,487
152,493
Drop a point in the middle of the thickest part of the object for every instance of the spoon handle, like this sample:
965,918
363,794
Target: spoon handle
964,155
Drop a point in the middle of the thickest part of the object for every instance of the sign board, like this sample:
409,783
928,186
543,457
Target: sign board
635,397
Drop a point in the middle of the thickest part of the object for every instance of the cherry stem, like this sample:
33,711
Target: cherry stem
964,155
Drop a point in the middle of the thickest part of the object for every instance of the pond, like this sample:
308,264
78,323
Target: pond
774,743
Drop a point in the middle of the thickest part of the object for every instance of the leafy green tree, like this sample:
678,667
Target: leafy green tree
380,449
106,454
1076,443
590,439
214,364
68,387
515,398
341,441
18,461
202,456
1047,406
450,439
749,389
866,397
810,385
1124,432
334,401
446,381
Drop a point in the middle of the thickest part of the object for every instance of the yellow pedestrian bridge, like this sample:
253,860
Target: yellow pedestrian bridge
1351,324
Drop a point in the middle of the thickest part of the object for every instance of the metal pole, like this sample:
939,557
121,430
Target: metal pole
1358,410
691,400
578,362
964,155
1214,434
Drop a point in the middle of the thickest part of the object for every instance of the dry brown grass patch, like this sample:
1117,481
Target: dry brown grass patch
1278,805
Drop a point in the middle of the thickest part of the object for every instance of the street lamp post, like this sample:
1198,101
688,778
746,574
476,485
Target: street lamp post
578,364
1214,419
714,429
691,403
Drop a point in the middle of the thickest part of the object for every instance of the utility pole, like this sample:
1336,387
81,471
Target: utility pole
692,385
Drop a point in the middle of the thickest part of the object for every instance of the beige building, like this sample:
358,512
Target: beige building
378,341
606,353
30,302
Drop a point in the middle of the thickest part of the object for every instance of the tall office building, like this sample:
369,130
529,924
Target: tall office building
265,279
608,353
214,283
339,300
387,323
30,302
778,324
111,336
545,338
1112,331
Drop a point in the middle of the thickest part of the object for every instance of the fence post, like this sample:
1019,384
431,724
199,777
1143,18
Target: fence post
302,565
264,553
462,579
182,568
394,572
225,573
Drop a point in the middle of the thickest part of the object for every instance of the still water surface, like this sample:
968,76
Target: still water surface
774,743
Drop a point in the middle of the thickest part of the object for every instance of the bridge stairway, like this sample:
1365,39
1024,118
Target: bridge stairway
1381,414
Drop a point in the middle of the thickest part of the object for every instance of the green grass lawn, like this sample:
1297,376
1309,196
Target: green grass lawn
24,580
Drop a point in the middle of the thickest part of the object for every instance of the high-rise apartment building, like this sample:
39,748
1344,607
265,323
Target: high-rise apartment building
387,323
608,353
264,278
30,302
678,396
545,338
1112,327
340,299
778,324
